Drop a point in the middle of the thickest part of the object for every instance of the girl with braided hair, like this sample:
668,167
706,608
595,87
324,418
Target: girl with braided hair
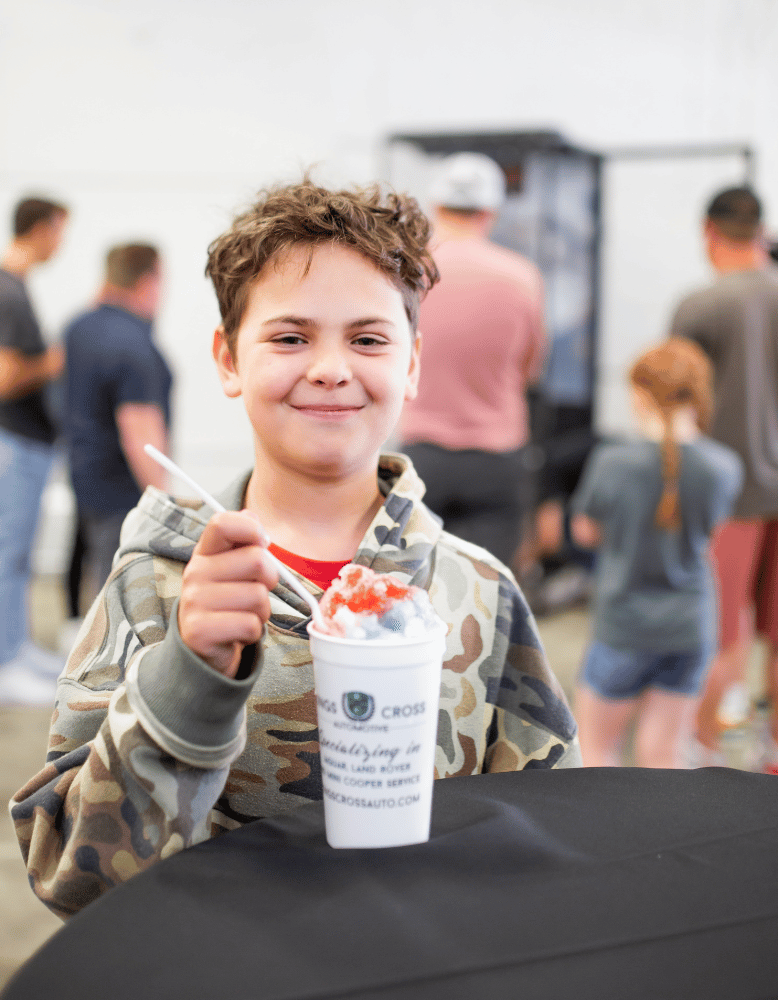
650,505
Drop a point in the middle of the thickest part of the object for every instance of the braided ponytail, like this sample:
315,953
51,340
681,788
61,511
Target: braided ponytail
668,511
675,374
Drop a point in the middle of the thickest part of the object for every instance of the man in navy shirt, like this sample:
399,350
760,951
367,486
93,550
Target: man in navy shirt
117,400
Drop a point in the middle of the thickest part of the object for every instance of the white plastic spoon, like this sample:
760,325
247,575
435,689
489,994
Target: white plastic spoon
283,572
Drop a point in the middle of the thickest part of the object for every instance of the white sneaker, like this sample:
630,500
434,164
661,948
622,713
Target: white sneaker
735,707
48,665
696,754
568,586
21,684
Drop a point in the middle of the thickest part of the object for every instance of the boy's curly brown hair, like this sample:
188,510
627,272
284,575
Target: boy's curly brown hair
387,228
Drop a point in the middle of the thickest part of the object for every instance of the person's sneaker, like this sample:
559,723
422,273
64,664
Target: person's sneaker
696,754
569,586
21,684
735,707
49,665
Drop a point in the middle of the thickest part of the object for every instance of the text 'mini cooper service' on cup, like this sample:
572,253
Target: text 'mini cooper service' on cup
377,676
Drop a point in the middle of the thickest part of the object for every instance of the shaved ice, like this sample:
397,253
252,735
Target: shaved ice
362,604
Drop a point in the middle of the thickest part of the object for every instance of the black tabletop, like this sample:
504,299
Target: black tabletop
594,883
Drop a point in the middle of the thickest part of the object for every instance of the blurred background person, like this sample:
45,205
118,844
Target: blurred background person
483,341
554,571
73,577
117,399
651,505
735,321
27,435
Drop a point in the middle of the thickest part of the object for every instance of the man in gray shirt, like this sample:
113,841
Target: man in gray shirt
26,452
735,321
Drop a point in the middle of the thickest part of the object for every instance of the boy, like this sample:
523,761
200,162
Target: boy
187,706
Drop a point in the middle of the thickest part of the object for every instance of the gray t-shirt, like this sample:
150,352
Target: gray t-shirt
735,321
654,588
27,415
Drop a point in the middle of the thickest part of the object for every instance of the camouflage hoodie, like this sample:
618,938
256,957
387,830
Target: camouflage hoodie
151,750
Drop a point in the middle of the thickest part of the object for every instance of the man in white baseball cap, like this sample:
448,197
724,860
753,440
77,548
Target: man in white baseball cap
483,342
468,181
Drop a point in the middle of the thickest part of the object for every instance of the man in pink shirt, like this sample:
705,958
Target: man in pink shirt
483,341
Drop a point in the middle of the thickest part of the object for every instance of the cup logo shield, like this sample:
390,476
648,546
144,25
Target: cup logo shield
358,706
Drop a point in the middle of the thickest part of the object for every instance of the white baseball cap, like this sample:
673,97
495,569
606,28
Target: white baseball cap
470,181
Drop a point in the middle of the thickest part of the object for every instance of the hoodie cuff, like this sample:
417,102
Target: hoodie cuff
189,709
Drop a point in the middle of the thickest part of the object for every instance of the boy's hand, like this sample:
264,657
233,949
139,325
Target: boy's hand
224,600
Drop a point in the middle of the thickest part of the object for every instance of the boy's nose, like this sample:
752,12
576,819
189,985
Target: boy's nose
329,367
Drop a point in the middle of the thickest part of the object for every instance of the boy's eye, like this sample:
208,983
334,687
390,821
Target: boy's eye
288,338
369,340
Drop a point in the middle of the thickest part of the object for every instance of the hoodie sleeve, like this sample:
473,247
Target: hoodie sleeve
142,737
501,707
532,725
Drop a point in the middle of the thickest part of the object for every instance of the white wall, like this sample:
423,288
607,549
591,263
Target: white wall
158,119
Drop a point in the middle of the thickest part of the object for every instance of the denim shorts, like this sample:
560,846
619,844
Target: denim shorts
626,673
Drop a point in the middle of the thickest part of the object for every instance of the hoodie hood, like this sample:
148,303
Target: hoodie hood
401,538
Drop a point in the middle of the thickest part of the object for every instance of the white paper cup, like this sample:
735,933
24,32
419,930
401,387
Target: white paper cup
377,706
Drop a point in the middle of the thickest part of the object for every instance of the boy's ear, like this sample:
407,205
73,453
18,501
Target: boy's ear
225,365
412,380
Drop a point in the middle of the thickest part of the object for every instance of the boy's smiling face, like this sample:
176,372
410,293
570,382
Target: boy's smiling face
323,360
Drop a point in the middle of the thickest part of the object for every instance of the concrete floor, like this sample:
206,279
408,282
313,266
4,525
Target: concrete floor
24,922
